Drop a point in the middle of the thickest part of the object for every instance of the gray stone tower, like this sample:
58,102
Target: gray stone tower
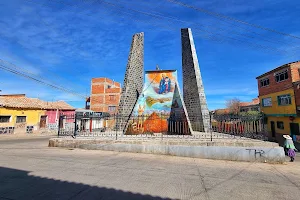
193,89
133,82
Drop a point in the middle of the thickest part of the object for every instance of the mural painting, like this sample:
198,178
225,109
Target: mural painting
158,106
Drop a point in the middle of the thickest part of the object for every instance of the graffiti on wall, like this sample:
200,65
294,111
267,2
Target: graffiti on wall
52,126
29,129
20,126
158,105
7,130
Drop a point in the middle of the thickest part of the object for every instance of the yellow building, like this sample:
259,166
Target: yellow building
18,120
278,94
20,114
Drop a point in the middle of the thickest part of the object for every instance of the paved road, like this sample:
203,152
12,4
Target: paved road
31,170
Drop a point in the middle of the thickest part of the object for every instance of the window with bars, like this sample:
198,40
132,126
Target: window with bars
281,76
264,82
284,100
266,102
111,108
4,119
21,119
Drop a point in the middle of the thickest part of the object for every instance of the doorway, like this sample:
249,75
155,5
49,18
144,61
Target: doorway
294,128
61,121
43,121
84,124
273,129
295,132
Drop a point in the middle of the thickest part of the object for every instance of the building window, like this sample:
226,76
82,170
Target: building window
284,100
87,105
281,76
108,86
264,82
4,119
21,119
112,97
280,125
111,108
267,102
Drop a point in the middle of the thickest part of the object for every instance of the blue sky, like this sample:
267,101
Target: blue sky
69,42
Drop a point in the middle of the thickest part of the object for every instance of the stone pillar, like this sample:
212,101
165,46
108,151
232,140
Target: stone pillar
133,82
193,89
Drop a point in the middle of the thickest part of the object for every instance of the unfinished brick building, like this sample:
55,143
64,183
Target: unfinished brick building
105,95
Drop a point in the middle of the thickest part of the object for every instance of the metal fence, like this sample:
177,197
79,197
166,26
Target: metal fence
160,127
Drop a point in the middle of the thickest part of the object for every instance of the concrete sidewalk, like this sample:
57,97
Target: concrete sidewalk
25,136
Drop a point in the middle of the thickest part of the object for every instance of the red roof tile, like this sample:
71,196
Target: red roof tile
254,102
33,103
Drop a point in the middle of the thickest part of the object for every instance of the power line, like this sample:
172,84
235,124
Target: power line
270,40
28,76
16,72
210,35
138,20
23,70
218,15
29,72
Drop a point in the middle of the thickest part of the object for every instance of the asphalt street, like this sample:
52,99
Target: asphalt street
31,170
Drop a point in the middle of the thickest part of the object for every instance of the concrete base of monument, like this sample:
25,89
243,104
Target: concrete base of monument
233,150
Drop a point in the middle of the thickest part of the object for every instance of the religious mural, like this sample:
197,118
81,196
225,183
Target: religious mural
158,105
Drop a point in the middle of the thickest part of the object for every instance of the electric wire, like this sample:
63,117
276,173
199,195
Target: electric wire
221,16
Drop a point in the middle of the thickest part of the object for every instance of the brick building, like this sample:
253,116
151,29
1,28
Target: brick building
105,95
279,94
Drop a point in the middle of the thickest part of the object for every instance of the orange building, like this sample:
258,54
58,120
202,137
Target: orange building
105,95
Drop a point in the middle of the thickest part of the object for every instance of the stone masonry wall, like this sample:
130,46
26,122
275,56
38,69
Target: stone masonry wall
193,89
133,82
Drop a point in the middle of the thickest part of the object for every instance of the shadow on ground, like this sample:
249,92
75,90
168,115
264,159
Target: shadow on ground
18,184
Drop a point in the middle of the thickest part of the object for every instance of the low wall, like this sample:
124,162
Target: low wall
234,151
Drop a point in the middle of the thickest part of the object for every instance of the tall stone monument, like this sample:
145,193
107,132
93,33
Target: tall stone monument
160,107
133,82
193,89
